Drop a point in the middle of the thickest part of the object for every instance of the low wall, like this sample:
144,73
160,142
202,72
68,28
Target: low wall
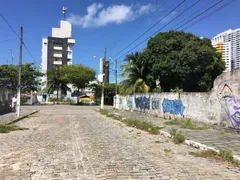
220,106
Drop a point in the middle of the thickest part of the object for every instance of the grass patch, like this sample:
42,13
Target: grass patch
177,136
224,131
166,150
6,128
185,123
143,125
104,111
225,155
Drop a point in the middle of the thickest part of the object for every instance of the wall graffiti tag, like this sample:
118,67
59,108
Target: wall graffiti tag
129,103
230,103
173,106
142,102
155,103
120,100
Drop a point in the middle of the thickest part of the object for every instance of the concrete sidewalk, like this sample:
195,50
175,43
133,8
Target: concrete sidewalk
25,110
210,137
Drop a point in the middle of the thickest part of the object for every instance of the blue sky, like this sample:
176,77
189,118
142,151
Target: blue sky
107,23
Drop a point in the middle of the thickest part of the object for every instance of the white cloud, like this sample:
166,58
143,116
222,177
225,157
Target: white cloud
98,16
169,17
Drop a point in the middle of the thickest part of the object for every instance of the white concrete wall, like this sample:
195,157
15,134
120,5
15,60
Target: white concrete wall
220,106
65,30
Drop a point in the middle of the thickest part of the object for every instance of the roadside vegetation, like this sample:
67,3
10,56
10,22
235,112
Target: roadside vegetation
132,122
225,155
185,123
6,128
177,136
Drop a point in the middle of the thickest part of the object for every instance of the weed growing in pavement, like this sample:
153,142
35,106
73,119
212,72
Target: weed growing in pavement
224,131
143,125
225,155
205,154
6,128
184,123
104,111
166,150
177,136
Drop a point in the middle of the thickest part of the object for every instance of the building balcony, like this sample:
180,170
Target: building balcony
57,62
56,55
57,48
71,41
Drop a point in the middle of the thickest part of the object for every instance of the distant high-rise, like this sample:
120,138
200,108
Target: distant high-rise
57,49
228,43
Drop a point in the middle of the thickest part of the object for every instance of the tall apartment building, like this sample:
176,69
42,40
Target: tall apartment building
228,43
57,49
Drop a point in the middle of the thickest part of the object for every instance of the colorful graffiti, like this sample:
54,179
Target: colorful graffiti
129,103
120,100
155,103
173,106
229,102
142,102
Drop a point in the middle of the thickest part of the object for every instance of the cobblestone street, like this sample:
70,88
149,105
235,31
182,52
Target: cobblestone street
77,143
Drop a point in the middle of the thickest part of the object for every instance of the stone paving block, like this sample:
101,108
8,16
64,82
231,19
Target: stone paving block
72,142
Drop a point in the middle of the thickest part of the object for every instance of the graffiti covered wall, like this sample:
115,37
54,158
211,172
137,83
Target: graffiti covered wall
173,106
220,106
155,103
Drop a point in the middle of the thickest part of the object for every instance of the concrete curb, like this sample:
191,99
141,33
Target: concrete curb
197,145
23,117
188,142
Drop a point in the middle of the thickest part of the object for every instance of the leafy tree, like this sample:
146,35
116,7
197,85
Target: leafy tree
29,78
78,75
138,74
55,81
183,60
109,93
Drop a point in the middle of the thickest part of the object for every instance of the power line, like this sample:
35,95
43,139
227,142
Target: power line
197,11
6,40
151,27
162,27
29,52
25,46
9,25
200,14
176,28
147,14
210,14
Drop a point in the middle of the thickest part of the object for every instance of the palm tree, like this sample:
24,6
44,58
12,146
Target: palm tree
55,82
138,74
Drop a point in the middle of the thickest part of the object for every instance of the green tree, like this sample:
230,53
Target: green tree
185,61
109,92
138,74
78,75
56,82
29,79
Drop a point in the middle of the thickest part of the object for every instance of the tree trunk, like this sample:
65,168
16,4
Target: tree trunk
57,92
78,96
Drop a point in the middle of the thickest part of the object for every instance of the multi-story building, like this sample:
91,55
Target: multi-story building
57,49
228,43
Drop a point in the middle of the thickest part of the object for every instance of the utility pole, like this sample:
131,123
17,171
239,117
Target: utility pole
115,97
103,64
116,77
19,73
11,55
